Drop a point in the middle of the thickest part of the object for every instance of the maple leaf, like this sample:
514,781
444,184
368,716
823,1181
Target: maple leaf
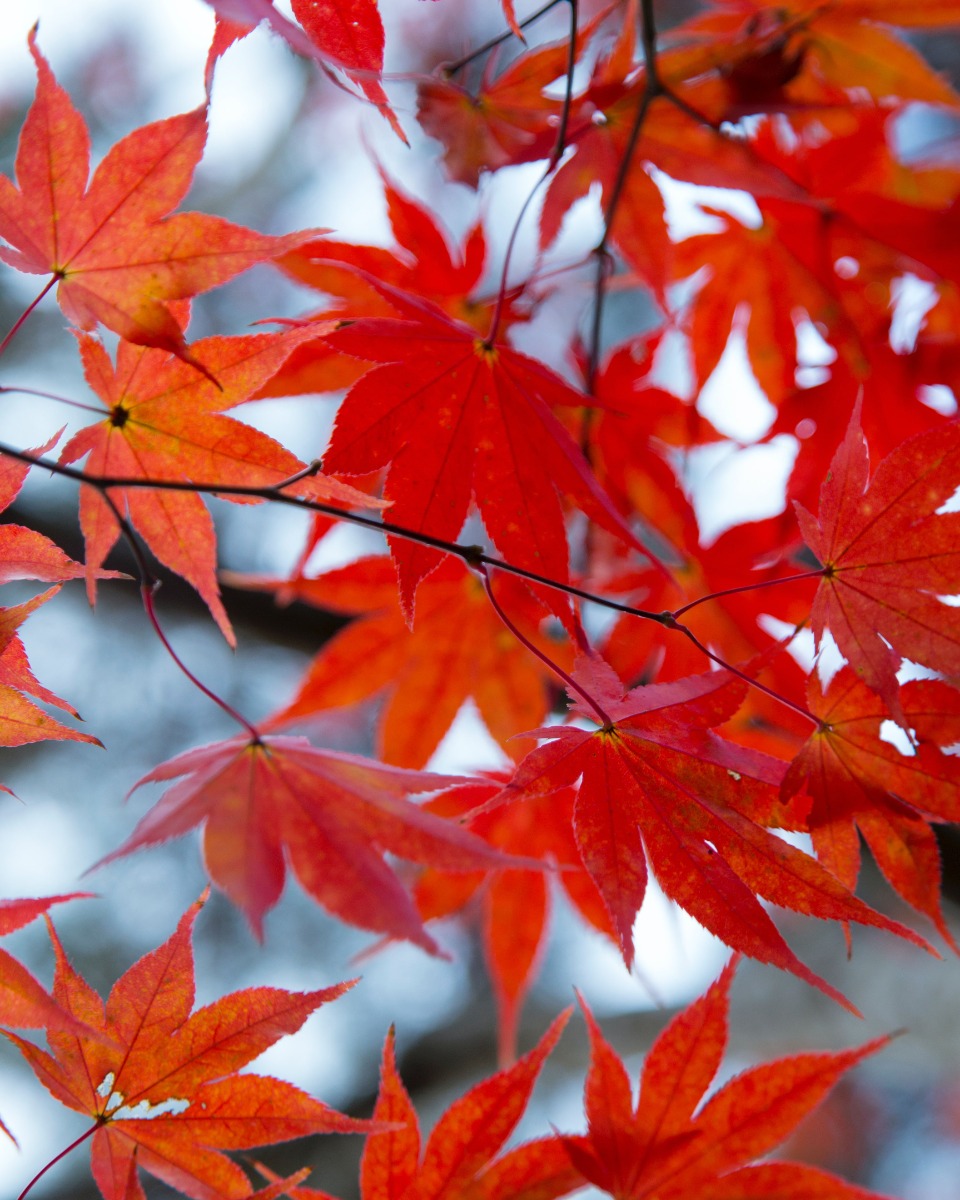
657,783
162,1085
347,35
350,34
23,1001
165,421
460,1157
115,254
856,780
670,139
26,554
509,121
21,721
807,55
423,263
888,556
334,814
428,671
457,418
754,266
662,1149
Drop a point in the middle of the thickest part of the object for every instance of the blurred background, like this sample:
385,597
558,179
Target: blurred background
288,150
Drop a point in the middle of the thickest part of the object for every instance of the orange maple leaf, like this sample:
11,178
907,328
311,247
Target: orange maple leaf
21,722
111,248
26,554
23,1002
166,421
162,1085
427,671
460,1157
666,1148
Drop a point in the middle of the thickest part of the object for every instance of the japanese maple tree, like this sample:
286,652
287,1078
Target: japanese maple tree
717,708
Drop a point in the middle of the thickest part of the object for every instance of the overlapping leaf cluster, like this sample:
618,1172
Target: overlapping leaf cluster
699,725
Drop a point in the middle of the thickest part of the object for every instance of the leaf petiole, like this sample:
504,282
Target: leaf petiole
27,311
63,1154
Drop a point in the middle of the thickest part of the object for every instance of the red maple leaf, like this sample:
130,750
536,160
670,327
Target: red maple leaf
422,263
858,781
347,35
888,556
162,1082
666,1148
656,783
457,418
116,256
335,816
21,721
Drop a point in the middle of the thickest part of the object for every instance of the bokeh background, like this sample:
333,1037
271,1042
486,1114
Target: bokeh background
287,150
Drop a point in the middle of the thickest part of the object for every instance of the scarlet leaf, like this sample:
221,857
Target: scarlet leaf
349,33
457,418
422,263
162,1085
658,784
663,1150
460,1156
24,1003
334,814
857,780
116,255
888,556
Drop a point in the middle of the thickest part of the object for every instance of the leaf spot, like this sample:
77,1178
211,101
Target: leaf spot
146,1111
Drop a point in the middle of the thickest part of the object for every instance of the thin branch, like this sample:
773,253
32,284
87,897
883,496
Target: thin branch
148,594
470,554
148,587
551,166
651,90
568,679
762,687
63,1154
26,391
493,43
473,556
747,587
